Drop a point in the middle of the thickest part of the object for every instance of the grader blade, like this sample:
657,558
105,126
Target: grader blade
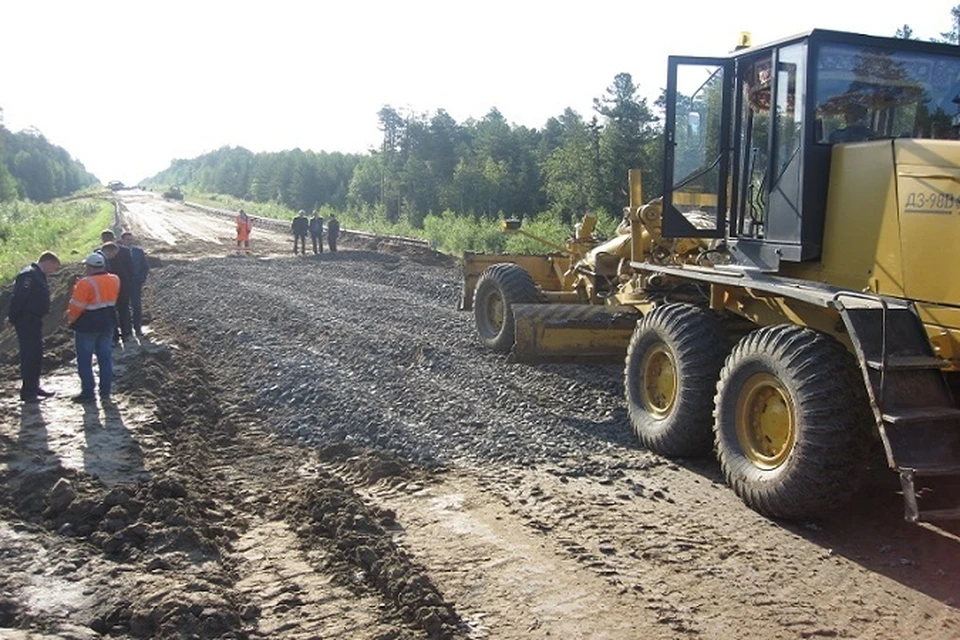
572,332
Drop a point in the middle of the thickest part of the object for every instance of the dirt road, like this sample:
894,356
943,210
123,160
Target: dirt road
317,447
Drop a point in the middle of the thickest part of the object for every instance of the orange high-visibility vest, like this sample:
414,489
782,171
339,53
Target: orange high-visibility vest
244,225
96,291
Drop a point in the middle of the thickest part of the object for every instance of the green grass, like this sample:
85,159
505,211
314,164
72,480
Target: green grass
71,229
230,203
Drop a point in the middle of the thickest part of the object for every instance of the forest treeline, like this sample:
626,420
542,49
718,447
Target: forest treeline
31,168
430,163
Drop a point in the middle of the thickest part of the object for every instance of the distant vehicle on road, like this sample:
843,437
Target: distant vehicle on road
173,193
115,185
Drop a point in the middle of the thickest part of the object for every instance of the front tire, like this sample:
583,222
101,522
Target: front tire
671,371
499,288
791,412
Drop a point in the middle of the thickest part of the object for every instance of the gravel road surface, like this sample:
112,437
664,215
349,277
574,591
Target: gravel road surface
321,448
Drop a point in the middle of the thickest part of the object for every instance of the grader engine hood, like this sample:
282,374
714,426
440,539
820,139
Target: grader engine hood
928,191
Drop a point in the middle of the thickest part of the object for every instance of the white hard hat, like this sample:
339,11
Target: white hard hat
95,260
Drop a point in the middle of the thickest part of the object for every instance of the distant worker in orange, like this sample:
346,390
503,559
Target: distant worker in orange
92,314
244,227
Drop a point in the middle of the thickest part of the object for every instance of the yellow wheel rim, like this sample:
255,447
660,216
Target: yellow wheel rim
766,421
659,388
495,312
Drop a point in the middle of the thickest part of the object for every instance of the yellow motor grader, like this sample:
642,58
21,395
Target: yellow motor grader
792,299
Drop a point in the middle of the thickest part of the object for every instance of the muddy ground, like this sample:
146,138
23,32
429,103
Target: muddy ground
316,447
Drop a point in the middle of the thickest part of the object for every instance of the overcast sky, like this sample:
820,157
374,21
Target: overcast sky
126,87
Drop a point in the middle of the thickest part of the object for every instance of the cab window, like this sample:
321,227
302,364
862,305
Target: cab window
862,93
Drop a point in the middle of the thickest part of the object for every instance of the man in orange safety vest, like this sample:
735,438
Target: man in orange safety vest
92,314
244,226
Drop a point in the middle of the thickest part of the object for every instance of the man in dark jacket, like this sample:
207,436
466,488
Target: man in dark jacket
141,268
316,232
92,315
300,228
120,263
29,303
333,232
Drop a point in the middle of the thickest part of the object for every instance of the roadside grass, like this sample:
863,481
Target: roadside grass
230,203
69,228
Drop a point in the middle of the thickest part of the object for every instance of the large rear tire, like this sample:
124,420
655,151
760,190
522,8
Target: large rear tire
791,422
672,365
499,288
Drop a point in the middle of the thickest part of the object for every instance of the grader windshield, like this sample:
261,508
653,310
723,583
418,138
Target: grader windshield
749,136
864,93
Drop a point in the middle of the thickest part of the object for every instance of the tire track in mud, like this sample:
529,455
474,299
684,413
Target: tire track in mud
212,534
308,557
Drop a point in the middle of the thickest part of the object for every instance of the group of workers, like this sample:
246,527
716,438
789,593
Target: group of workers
106,304
105,307
314,226
301,227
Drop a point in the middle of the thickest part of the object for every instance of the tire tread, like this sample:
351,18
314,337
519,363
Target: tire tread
831,415
516,286
698,341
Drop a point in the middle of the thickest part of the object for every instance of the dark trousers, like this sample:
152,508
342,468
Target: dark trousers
30,339
136,308
332,240
124,324
303,244
317,240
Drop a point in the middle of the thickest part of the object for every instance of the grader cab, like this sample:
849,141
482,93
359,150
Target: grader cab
789,302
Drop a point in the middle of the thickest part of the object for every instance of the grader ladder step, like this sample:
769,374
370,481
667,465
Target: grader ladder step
918,420
906,363
932,470
929,515
922,414
912,511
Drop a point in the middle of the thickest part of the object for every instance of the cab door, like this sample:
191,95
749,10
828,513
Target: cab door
697,147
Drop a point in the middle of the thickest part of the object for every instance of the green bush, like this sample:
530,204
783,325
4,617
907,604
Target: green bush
456,235
69,229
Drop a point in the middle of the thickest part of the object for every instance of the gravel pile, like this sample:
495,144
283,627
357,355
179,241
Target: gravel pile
369,349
